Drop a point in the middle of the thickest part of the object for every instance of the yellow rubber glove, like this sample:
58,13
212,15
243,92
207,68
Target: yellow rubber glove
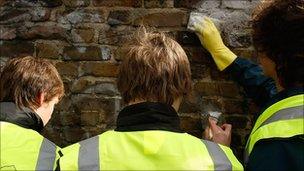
212,41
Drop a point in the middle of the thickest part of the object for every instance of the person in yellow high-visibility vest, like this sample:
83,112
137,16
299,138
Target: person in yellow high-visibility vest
276,141
29,89
154,77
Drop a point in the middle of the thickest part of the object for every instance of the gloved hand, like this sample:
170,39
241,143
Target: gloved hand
212,41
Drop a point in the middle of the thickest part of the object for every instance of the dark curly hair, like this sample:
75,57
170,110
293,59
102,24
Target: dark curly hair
278,30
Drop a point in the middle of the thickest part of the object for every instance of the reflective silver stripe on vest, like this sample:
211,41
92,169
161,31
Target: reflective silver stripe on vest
281,115
88,158
220,160
47,155
285,114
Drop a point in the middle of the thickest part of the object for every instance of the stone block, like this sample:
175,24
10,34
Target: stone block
35,3
76,3
87,53
94,110
238,121
67,69
48,49
186,3
211,104
118,17
120,53
122,3
100,69
233,106
240,4
230,90
86,15
187,38
207,88
89,84
83,35
16,48
191,123
14,15
164,18
40,14
199,71
73,134
159,3
7,33
43,31
116,36
198,55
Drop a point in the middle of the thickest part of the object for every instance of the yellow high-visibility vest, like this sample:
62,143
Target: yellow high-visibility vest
25,149
147,150
283,119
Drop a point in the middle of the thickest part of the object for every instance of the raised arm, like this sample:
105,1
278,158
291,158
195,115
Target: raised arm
248,74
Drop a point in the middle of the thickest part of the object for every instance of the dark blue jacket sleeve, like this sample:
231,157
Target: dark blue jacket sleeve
251,77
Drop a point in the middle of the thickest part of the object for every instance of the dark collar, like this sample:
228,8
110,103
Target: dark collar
24,117
288,92
148,116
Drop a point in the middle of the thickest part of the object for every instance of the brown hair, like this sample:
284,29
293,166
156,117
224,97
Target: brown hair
278,30
156,68
22,79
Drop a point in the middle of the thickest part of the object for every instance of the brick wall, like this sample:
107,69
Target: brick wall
85,37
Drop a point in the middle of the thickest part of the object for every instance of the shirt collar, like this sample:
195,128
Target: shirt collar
148,116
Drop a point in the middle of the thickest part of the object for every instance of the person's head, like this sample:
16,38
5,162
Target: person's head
278,35
31,83
155,69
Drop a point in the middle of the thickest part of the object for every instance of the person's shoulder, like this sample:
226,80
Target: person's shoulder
18,131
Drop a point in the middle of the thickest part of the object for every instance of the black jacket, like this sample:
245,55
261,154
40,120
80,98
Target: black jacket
148,116
24,117
270,154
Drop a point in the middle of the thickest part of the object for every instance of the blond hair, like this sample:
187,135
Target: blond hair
155,68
